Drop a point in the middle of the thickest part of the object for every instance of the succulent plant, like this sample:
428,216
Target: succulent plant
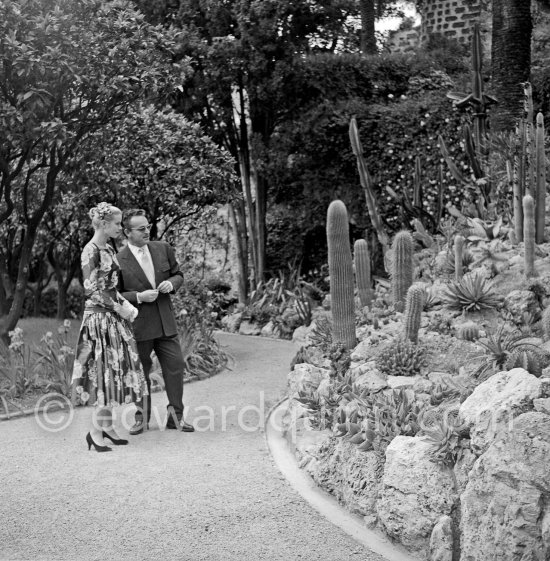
529,235
402,358
472,292
413,312
402,266
362,272
468,331
341,275
529,360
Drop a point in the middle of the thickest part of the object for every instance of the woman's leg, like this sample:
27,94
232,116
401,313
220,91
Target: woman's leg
102,421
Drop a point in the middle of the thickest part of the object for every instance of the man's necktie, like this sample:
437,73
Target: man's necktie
147,265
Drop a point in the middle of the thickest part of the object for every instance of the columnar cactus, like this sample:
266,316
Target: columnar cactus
402,266
459,249
546,324
540,178
529,235
362,272
413,312
341,275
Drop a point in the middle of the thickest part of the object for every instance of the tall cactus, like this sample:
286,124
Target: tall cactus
341,275
402,266
545,321
459,249
540,178
529,235
413,312
362,272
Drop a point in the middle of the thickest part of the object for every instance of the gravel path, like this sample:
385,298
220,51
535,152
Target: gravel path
211,495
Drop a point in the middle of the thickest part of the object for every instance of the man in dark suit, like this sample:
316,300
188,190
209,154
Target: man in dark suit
149,274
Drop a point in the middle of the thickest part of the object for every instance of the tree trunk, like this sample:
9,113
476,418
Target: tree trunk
368,37
237,216
510,60
9,322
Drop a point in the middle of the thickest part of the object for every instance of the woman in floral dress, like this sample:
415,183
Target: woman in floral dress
107,370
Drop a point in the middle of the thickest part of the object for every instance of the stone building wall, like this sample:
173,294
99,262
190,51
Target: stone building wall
453,19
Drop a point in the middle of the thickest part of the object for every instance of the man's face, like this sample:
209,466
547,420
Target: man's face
138,231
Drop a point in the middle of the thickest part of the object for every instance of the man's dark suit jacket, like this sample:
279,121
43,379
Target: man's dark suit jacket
155,319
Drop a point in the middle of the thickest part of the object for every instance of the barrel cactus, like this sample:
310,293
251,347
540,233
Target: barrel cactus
527,359
362,272
468,331
402,266
341,275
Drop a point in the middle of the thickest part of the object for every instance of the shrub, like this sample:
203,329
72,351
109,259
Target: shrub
402,358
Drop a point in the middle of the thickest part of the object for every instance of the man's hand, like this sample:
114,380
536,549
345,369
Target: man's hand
148,295
165,287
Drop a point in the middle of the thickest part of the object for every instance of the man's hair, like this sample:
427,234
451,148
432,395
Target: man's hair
129,214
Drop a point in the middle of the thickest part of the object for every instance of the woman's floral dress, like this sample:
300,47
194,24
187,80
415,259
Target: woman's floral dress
107,370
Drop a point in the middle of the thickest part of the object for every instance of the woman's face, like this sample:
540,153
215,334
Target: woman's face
113,228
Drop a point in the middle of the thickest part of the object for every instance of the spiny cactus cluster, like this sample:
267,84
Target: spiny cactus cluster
401,358
341,275
402,266
545,321
413,312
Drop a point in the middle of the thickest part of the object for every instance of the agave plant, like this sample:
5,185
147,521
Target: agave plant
499,348
472,292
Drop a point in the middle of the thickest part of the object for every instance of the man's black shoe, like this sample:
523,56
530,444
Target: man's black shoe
138,427
181,426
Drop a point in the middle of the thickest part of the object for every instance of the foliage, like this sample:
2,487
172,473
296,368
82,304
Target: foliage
444,440
59,85
401,358
340,359
321,333
55,359
202,354
472,292
499,345
378,418
321,408
159,161
48,303
17,366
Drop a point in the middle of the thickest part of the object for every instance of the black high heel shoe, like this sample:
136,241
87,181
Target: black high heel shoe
116,441
97,447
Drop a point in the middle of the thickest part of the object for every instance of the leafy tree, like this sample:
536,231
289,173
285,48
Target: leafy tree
68,68
158,160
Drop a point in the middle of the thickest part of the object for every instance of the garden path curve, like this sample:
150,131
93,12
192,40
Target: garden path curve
211,495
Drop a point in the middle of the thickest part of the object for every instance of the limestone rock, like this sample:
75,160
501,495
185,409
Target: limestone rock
300,335
414,494
542,405
518,302
396,382
504,510
269,330
249,328
348,474
306,376
496,402
367,376
441,540
232,322
362,352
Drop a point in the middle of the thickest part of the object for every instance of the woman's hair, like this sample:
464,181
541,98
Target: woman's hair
103,211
